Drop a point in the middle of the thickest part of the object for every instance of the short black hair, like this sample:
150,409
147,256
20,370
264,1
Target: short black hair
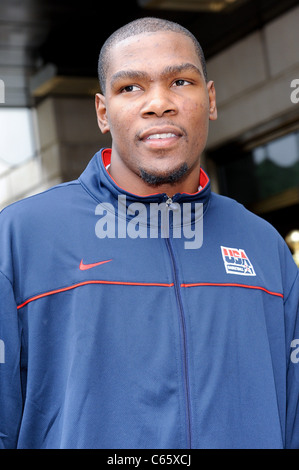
139,26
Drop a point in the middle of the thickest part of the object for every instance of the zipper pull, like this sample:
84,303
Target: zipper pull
168,202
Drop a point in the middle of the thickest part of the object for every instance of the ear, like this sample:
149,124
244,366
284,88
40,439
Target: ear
212,100
101,110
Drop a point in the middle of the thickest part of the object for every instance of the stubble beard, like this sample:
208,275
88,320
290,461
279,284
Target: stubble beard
170,178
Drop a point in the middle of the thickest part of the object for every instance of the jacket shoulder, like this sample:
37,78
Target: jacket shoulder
252,229
238,213
39,203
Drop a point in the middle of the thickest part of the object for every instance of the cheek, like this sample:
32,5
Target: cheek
121,121
197,117
196,109
197,120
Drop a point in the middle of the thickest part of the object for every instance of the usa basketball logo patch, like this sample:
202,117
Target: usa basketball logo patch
237,262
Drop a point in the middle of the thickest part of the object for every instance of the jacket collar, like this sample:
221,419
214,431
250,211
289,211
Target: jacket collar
102,187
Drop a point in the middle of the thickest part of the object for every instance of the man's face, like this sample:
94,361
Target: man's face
157,107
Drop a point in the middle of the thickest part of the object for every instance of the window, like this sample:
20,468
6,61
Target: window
252,176
263,176
277,165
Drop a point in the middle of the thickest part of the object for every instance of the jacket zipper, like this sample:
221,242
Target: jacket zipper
183,332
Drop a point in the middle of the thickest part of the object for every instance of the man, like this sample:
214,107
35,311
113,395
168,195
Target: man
138,309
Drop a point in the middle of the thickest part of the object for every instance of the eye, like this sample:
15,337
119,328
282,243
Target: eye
181,82
130,88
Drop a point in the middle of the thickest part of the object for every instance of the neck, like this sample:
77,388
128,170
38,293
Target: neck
132,181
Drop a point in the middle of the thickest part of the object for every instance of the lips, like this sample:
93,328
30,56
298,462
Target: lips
161,136
161,133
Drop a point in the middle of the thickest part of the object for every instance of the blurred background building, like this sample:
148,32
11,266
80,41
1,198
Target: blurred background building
48,79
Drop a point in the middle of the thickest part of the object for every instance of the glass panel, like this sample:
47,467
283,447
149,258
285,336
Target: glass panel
277,165
252,176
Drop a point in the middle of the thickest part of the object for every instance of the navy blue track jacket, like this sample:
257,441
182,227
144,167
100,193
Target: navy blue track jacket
113,335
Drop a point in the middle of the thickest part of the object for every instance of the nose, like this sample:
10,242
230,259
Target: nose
158,103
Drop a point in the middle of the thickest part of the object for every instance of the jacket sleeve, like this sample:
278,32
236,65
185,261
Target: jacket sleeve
11,402
292,316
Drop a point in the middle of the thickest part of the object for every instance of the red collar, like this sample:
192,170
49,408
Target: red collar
203,177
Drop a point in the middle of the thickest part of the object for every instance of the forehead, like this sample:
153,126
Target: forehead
149,51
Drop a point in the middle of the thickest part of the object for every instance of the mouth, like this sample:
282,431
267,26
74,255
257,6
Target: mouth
161,137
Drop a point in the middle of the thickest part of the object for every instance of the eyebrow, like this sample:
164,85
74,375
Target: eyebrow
166,72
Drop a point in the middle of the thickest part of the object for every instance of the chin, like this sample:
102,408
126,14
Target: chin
157,178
